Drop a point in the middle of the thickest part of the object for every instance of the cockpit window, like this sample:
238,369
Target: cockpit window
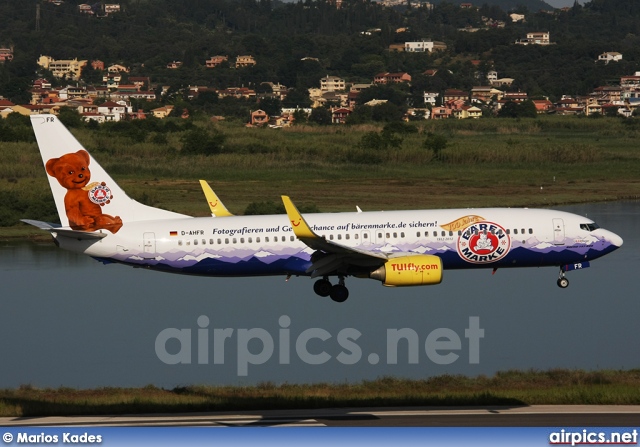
589,226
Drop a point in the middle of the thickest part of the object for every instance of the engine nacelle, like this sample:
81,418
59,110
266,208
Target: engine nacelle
418,270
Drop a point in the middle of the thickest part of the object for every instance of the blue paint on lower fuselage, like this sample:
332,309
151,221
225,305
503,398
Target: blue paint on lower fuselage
451,260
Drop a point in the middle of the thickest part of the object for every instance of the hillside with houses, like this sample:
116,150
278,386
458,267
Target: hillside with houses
338,62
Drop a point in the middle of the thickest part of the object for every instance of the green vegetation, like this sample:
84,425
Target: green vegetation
553,387
493,162
321,40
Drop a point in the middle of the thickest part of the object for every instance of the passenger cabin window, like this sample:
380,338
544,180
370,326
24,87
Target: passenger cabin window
291,238
530,230
515,231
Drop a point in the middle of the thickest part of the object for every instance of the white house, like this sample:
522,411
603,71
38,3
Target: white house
610,56
332,84
423,46
536,38
430,97
113,111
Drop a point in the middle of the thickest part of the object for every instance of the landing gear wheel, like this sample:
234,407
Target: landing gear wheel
339,293
322,287
563,283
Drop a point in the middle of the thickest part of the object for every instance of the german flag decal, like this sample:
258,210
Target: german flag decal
173,233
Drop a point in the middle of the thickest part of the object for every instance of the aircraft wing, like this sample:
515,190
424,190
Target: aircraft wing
337,256
65,231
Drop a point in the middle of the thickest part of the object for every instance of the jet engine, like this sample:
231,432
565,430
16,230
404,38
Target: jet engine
418,270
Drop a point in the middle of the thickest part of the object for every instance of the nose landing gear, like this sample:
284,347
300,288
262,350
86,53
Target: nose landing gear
563,282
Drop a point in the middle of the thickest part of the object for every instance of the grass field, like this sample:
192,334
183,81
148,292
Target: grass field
490,162
552,387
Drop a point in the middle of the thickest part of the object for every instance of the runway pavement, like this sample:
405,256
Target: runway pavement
521,416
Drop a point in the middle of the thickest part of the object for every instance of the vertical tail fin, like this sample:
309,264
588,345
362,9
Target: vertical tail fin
86,197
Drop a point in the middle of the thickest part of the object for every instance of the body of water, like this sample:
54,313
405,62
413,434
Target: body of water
67,320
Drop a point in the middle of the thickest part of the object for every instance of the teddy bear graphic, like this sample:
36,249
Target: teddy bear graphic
83,201
483,243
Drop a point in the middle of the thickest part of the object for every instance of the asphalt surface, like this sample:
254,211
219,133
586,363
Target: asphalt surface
521,416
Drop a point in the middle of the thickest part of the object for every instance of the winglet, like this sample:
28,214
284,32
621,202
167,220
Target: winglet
300,226
215,204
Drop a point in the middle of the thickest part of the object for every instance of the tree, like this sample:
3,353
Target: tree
70,117
272,106
321,116
387,112
296,98
200,141
299,117
382,141
436,143
526,109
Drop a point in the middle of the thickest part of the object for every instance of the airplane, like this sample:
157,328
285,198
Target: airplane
397,248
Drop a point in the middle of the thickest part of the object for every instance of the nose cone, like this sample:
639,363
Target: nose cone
613,238
616,240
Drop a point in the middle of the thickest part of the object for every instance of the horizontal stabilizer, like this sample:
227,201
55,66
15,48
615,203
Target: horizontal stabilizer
40,224
57,230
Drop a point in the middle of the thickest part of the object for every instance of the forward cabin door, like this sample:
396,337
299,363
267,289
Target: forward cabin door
558,232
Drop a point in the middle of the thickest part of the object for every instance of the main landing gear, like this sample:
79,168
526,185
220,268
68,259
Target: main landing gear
563,282
338,292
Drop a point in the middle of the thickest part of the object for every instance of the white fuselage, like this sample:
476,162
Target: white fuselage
266,245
